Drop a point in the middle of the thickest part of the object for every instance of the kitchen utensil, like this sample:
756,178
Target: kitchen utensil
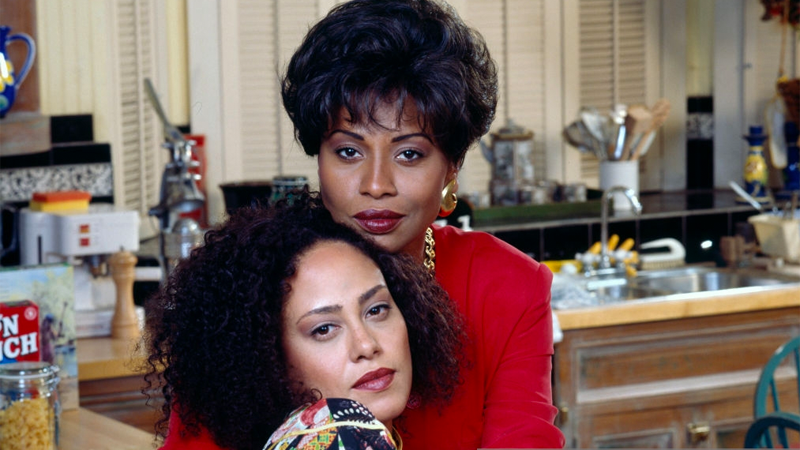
774,119
595,123
637,121
574,137
170,132
595,145
752,201
659,111
673,257
9,81
618,132
742,193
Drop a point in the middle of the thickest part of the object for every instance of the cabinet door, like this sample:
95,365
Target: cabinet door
680,383
121,399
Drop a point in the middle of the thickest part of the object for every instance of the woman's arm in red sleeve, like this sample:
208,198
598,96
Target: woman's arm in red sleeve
518,409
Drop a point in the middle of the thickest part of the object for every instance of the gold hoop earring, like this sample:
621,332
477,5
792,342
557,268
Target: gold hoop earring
449,199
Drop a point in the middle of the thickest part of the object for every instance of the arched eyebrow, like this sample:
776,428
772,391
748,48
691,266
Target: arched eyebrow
394,139
368,294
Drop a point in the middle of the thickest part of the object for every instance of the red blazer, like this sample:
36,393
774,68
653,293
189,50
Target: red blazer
506,399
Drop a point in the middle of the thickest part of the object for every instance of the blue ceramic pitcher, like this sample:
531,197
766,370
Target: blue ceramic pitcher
9,81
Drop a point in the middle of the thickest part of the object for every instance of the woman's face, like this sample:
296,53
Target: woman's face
384,180
343,334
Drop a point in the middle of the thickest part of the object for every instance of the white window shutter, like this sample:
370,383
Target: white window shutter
612,61
259,93
266,34
295,19
514,30
140,167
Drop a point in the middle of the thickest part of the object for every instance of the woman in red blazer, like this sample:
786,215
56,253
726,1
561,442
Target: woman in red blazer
389,95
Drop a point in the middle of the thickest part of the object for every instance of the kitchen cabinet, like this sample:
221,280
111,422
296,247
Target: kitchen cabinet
680,383
120,399
110,382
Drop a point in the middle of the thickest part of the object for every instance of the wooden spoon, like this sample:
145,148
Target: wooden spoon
660,111
637,122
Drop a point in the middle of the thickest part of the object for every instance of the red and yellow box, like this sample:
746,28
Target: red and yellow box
19,331
60,201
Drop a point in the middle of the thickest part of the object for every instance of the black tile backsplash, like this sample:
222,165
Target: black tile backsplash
528,241
703,236
696,219
699,164
84,153
73,128
564,242
669,227
40,159
700,104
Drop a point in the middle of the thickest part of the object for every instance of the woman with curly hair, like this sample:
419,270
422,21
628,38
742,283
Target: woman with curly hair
283,307
389,95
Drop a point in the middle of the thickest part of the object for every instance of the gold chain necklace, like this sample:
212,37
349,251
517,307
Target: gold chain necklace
430,252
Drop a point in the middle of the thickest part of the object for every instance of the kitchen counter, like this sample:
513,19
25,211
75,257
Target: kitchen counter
82,429
103,357
707,303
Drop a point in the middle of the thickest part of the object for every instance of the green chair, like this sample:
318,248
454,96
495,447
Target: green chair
767,401
775,425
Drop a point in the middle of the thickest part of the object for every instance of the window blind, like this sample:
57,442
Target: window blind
612,61
139,143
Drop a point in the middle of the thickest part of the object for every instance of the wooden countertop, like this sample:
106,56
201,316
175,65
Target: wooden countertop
683,306
103,357
82,429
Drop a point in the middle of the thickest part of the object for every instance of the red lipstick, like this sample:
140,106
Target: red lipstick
377,380
378,221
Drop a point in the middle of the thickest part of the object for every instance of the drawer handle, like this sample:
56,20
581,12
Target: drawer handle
698,431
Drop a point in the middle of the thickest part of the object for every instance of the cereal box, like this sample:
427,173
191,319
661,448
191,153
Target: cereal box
19,332
51,288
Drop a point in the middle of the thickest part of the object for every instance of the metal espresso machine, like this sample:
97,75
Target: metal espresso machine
179,194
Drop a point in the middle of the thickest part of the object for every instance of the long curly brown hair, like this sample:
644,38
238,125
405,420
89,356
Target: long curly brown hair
213,333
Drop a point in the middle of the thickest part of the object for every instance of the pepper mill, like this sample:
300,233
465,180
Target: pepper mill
124,323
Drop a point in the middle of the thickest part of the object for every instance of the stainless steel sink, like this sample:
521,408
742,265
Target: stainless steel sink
627,292
700,279
675,282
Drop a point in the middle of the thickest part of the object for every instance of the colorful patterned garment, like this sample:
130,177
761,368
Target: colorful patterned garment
332,423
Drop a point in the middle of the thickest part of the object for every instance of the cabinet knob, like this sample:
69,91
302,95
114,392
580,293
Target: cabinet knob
698,432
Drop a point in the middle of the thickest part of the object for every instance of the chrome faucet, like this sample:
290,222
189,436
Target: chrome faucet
636,207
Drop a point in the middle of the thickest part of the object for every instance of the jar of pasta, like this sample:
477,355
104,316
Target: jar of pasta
29,406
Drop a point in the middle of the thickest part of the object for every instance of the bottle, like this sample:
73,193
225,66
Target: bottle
755,166
30,409
792,170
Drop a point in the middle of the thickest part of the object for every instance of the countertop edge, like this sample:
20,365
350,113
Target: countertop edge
671,309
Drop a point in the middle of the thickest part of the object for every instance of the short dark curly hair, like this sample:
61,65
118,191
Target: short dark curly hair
214,330
367,52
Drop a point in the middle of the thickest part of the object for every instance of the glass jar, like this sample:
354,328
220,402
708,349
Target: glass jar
29,406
